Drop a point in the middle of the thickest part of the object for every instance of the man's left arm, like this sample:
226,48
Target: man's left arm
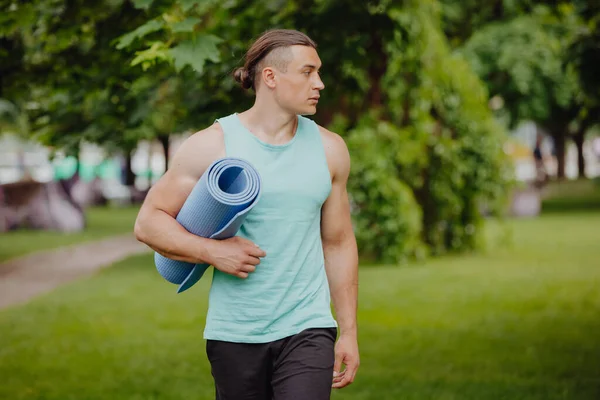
341,260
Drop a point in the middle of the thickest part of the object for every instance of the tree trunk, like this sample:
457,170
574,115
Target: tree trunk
558,126
376,70
560,145
499,10
77,155
579,138
164,141
129,175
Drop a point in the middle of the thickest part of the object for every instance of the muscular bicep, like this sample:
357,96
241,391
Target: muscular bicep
335,217
170,192
189,163
336,224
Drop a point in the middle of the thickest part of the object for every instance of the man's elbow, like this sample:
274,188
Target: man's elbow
139,229
337,241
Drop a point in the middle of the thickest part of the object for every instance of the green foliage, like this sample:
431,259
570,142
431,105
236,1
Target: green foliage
176,39
460,20
195,53
11,118
157,51
539,60
437,160
144,4
584,56
387,217
187,25
522,61
65,75
426,153
140,32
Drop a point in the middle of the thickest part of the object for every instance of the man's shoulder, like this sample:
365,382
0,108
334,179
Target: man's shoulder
332,141
200,149
212,134
336,151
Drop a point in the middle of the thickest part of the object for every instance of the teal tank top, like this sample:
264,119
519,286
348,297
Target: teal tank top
289,291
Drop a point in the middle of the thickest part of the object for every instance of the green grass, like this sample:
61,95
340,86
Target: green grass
519,322
575,195
102,222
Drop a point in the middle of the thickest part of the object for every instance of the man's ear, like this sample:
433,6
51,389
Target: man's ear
268,77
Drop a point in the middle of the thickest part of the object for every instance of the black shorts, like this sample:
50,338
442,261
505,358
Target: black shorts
299,367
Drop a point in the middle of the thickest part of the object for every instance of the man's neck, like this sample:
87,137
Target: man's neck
270,123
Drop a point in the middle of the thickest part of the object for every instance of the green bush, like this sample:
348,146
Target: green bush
388,219
425,162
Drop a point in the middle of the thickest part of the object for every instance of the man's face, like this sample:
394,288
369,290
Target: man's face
297,89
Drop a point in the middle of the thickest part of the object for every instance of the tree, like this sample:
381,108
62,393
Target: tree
573,24
584,55
72,83
523,64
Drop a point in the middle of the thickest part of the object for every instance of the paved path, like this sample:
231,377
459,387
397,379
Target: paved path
38,273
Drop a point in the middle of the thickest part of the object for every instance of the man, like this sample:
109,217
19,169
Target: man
270,331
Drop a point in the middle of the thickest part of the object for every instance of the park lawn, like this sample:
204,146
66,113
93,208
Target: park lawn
519,322
102,222
572,195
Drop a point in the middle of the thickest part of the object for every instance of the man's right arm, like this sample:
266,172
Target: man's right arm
157,227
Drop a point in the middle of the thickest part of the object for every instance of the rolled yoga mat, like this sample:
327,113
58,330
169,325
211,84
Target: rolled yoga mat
216,209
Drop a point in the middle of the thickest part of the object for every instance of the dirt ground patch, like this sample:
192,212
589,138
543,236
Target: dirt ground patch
23,278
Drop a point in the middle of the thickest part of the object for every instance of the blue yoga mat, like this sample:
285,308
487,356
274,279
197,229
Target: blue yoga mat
216,209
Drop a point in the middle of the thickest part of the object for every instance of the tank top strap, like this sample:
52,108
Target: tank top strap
228,124
233,134
309,129
314,142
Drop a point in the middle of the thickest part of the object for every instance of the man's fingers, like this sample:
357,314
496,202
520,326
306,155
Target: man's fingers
343,383
248,268
339,382
256,251
337,365
338,378
351,371
253,260
347,376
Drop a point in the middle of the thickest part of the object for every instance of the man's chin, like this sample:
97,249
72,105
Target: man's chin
311,110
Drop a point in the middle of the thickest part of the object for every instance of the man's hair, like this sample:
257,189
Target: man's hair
271,48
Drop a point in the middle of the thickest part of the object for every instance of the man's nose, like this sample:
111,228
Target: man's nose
319,85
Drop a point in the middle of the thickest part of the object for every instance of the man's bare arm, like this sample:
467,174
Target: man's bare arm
341,256
339,244
156,224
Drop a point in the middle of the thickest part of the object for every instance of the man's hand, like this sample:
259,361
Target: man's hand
346,353
235,256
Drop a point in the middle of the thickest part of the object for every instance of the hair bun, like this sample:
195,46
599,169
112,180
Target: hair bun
242,76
